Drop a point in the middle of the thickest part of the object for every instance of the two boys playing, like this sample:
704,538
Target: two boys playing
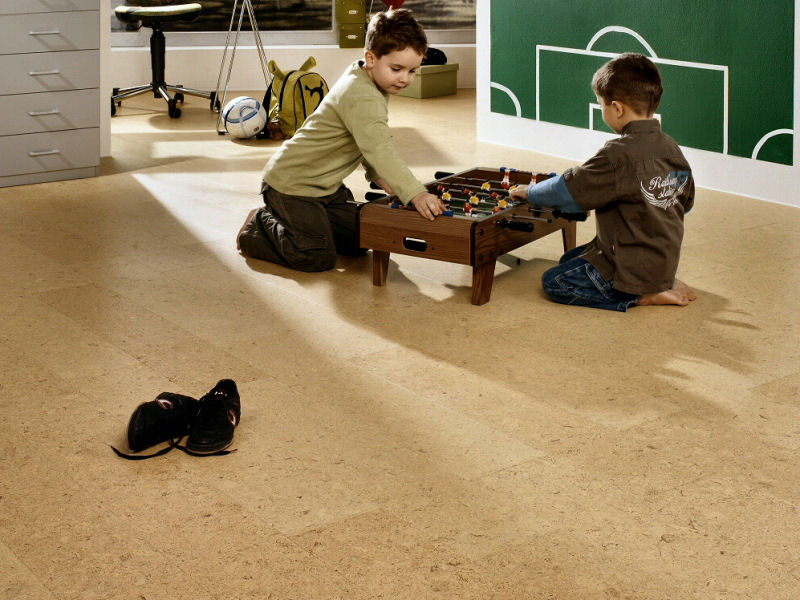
639,185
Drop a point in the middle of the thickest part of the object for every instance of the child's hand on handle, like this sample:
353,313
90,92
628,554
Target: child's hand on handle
519,194
428,205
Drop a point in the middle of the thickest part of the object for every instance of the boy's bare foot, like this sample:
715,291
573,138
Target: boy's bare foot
243,227
680,294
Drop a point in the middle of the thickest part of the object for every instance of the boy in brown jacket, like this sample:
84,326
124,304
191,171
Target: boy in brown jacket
639,185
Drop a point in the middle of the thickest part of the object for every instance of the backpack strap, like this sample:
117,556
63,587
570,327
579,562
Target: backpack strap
268,95
283,87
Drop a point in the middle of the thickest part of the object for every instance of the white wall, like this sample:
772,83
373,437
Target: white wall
199,67
758,179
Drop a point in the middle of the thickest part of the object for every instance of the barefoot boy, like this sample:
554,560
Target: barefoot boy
639,186
309,215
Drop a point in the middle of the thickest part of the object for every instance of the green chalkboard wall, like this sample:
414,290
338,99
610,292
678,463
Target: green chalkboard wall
727,66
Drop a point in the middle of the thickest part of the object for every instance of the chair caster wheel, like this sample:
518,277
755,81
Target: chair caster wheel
214,104
174,111
179,97
113,107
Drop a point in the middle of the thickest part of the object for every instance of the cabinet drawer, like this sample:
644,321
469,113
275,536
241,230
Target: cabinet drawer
10,7
53,151
47,32
49,71
49,111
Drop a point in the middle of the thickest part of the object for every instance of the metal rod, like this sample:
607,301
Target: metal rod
245,5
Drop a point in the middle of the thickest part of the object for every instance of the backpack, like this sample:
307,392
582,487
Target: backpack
434,56
291,97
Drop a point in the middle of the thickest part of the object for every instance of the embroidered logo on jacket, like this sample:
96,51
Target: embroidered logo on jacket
664,191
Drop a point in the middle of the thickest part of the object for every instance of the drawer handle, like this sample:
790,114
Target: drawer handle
40,113
38,73
51,32
35,153
415,244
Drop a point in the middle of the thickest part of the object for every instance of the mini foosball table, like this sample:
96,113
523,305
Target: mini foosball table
480,223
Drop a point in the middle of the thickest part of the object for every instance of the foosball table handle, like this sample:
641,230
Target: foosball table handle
569,216
515,225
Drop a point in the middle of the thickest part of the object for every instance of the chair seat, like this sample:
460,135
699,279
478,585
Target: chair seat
158,14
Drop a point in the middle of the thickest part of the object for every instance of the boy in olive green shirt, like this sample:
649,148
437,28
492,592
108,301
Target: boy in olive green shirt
309,215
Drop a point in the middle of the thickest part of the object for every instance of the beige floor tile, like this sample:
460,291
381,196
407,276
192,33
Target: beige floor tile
782,391
393,558
16,580
137,333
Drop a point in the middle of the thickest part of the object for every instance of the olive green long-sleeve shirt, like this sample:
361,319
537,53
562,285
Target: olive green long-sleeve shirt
350,127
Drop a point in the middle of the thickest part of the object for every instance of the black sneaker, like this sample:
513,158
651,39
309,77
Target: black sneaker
167,418
218,415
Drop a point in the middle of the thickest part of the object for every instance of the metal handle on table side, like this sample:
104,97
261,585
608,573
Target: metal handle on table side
415,244
41,113
39,73
35,153
51,32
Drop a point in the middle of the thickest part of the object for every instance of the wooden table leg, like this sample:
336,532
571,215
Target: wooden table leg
482,279
380,267
569,235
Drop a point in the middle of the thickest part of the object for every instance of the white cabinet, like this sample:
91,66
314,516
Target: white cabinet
49,90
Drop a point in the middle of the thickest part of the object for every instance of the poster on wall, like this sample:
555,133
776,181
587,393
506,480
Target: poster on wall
315,15
727,67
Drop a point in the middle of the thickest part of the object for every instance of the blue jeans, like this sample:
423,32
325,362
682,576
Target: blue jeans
576,281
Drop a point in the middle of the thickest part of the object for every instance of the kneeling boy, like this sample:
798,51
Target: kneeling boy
639,185
309,215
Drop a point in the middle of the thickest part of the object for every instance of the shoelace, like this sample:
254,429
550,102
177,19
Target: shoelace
165,449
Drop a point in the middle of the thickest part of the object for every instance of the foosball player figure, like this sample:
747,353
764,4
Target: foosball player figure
506,183
639,185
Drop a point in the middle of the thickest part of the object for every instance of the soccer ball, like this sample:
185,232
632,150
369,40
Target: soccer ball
244,117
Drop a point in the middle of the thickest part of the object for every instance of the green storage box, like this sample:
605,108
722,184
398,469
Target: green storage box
351,11
433,80
351,35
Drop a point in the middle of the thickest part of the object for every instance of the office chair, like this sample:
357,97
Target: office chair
154,14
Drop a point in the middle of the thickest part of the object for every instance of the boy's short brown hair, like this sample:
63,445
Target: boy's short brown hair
395,29
632,79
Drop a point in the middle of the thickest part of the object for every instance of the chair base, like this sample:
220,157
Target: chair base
160,90
158,85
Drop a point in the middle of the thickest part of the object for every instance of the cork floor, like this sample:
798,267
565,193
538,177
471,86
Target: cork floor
396,442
